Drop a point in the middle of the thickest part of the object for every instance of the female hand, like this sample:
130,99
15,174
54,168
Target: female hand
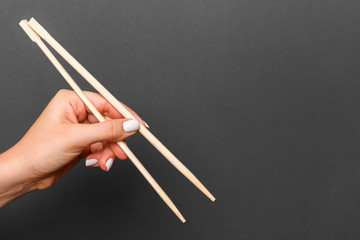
65,132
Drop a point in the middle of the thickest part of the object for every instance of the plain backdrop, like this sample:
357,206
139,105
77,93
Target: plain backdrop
259,99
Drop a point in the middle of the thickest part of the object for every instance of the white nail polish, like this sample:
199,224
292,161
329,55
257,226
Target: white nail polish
91,162
131,125
146,124
109,163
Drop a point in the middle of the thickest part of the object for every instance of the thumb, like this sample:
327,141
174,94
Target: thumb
111,130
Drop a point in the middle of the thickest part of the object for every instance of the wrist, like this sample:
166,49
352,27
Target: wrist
13,180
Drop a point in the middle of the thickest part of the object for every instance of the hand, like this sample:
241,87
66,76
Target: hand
65,132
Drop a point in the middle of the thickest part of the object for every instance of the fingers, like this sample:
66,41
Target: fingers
107,159
75,110
119,153
92,160
104,159
108,110
111,131
103,106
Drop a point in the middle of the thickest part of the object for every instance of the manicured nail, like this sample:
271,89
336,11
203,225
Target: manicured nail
109,163
131,125
91,162
146,125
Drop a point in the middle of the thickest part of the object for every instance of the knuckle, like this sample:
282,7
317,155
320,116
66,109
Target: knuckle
114,130
63,92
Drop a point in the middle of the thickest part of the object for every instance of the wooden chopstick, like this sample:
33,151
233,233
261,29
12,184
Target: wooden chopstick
117,104
100,118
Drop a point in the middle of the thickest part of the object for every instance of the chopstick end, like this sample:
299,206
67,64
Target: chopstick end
30,32
38,28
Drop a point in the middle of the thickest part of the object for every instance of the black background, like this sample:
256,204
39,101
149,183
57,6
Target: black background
260,99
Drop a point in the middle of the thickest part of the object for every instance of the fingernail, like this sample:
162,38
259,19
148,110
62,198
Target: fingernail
131,125
91,162
109,163
146,125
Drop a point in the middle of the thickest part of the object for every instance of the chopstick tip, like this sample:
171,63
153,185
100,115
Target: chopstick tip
210,196
178,214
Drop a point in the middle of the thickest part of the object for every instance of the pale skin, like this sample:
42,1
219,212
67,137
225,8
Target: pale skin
65,132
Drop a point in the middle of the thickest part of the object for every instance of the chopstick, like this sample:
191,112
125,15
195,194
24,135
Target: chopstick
117,104
35,37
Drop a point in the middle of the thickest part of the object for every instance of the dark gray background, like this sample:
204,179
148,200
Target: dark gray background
260,99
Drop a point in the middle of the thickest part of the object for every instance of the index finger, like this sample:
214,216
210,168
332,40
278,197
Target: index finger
107,109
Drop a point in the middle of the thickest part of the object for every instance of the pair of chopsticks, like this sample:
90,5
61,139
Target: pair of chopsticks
35,31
